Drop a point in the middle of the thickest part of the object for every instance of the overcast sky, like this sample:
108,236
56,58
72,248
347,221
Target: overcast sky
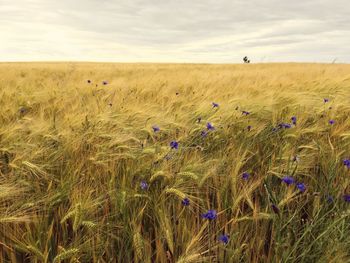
213,31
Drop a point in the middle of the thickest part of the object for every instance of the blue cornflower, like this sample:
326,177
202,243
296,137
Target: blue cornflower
294,120
143,185
215,105
288,180
210,215
284,125
346,162
245,113
185,202
104,82
224,239
301,187
245,176
155,128
210,127
325,100
331,122
346,198
174,145
330,199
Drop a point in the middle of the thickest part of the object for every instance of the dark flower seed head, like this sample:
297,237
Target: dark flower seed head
275,209
325,100
104,82
88,81
249,127
245,113
199,119
331,122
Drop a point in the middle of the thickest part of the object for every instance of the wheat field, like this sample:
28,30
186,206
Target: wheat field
174,162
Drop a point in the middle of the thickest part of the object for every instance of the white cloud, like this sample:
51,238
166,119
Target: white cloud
175,31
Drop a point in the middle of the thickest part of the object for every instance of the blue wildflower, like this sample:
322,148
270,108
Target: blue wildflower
215,105
284,125
204,133
210,215
346,198
245,176
331,122
288,180
155,128
224,239
143,185
174,145
301,187
294,120
245,113
330,199
346,162
210,127
185,202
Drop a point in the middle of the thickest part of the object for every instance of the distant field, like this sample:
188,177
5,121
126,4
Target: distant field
174,163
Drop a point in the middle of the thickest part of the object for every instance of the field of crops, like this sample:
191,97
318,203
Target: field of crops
174,163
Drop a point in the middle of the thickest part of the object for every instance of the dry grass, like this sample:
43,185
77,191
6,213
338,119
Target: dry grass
73,154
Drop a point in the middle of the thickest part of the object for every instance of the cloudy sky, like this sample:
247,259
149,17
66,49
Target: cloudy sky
213,31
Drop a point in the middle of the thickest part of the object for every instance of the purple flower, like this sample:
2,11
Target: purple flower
215,105
245,113
210,127
284,125
294,120
245,176
288,180
325,100
224,239
210,215
346,198
155,128
330,199
143,185
301,187
204,133
331,122
185,202
249,127
104,82
346,162
174,145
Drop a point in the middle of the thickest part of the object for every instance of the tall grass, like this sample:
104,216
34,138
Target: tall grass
73,155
